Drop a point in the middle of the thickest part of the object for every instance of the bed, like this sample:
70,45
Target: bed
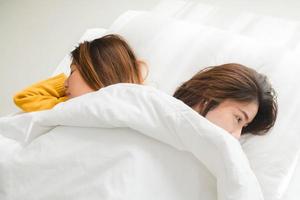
156,147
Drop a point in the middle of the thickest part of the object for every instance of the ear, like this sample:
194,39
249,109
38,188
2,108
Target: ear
199,106
143,70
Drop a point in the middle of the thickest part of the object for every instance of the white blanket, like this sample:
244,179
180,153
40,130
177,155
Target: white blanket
97,146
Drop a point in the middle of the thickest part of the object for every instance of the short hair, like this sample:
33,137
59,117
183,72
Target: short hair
232,81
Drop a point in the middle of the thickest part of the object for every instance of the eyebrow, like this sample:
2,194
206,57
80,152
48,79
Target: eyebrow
245,114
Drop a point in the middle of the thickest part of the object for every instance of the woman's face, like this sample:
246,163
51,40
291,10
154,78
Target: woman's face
232,115
75,84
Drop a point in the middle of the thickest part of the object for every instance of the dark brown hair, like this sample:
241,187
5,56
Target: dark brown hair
213,85
107,60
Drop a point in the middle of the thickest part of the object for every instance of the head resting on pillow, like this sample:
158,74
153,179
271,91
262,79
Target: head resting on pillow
104,61
232,96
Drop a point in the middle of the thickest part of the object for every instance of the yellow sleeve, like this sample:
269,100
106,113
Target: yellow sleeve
42,95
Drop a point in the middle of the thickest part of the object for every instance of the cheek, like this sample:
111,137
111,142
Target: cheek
71,82
77,85
220,119
73,85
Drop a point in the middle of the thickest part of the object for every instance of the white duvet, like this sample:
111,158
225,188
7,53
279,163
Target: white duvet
124,141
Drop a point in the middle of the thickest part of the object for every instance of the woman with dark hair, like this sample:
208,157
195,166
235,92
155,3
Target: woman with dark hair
104,61
232,96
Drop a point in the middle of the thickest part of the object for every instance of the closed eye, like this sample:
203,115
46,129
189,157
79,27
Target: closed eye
238,119
72,68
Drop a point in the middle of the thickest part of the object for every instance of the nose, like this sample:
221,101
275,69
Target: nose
66,83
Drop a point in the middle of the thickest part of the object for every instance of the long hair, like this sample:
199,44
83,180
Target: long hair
107,60
213,85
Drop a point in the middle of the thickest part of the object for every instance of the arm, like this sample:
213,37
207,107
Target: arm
42,95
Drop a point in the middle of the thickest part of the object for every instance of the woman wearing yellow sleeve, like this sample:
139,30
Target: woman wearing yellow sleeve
42,95
104,61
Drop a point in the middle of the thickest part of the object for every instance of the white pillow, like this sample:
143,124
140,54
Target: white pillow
183,48
175,50
264,28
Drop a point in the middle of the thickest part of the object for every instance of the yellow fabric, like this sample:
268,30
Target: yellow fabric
42,95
